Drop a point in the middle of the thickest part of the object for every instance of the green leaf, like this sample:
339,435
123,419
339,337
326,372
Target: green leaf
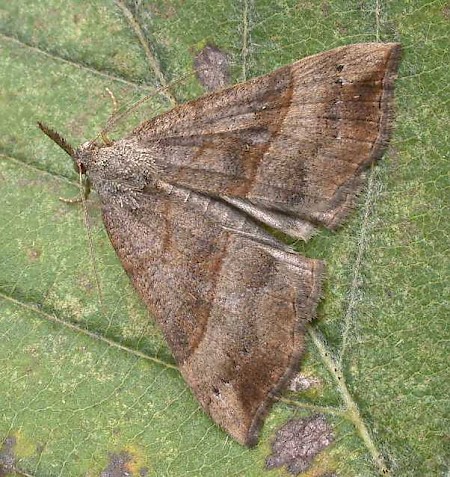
88,384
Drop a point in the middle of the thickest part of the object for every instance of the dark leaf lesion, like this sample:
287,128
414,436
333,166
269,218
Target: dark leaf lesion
298,442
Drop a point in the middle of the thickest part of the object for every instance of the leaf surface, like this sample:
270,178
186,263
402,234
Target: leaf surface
88,385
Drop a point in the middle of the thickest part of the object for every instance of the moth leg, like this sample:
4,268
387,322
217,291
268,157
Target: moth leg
86,186
106,139
115,107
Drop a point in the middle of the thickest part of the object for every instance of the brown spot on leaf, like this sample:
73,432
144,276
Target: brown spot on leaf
86,284
342,29
34,254
298,442
7,457
166,9
213,68
446,11
118,465
326,8
302,382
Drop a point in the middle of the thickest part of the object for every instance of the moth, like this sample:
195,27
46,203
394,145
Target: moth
186,195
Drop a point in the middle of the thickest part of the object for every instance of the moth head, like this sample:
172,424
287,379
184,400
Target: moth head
80,156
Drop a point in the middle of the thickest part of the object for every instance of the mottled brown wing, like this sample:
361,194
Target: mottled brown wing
289,145
231,300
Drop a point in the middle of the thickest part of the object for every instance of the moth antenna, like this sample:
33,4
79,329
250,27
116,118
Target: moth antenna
117,115
63,144
149,53
56,137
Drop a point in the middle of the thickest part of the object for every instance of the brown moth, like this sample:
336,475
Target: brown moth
184,196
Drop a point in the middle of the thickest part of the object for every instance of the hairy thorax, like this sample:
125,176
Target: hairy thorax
117,169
